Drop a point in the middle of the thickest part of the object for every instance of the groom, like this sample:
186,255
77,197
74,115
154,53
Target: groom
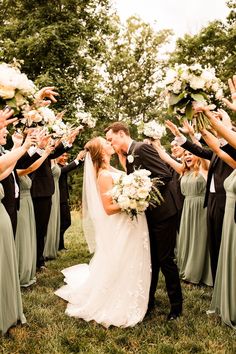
162,220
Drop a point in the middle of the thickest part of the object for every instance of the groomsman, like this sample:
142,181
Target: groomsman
64,192
41,191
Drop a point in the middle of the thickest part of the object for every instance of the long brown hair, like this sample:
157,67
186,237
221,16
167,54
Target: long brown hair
195,168
94,146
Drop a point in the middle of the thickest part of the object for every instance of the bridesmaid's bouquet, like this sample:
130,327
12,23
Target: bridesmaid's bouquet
136,191
186,86
152,130
16,90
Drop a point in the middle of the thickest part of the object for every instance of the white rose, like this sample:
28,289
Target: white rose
133,204
124,202
142,193
197,82
6,92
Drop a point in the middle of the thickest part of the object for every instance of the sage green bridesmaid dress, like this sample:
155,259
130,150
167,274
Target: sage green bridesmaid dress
10,295
26,235
224,295
53,232
193,257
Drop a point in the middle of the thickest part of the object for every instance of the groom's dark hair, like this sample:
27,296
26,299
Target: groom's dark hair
117,126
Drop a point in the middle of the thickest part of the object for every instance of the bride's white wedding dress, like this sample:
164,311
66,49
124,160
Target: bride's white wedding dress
113,289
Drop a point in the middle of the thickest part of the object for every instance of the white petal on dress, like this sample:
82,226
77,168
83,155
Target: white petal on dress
113,289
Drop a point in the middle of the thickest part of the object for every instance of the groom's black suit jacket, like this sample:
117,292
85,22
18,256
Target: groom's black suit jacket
145,156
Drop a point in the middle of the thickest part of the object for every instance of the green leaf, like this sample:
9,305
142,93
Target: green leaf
189,111
197,97
174,99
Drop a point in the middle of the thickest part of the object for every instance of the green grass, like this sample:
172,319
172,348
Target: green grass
49,330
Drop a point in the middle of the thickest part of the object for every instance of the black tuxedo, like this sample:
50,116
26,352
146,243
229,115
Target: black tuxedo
179,197
41,191
215,202
162,222
64,200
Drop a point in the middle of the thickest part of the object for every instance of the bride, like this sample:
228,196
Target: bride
113,289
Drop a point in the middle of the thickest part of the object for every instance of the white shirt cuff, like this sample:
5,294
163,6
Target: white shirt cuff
76,161
66,144
180,140
32,150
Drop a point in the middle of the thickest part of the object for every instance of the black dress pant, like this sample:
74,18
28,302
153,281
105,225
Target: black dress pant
42,209
162,243
65,222
215,216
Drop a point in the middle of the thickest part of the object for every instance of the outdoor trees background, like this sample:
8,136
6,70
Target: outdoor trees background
99,65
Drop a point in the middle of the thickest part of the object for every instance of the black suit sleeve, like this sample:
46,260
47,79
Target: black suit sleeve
26,160
197,150
59,150
230,150
150,160
67,168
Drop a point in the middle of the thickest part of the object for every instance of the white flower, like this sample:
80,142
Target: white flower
219,94
197,82
130,158
177,86
153,130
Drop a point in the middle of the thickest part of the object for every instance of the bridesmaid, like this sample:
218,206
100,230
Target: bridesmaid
26,229
53,232
193,256
10,295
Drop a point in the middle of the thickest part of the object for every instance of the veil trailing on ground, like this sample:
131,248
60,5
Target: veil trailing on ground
92,208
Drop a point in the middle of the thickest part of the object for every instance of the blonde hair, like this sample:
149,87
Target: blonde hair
95,148
195,168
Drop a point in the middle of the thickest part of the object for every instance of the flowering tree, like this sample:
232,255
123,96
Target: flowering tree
132,70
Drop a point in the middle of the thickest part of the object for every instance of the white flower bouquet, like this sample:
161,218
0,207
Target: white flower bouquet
151,129
136,191
85,119
186,85
16,89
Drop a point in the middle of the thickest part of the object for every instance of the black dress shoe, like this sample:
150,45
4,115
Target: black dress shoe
173,316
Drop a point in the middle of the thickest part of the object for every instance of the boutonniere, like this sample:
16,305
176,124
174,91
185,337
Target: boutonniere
130,158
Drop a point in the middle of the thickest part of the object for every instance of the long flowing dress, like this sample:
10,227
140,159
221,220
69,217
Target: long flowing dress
53,232
193,257
224,294
10,295
26,235
113,289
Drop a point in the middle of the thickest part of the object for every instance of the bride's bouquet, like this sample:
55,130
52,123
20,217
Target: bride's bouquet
151,129
136,191
186,86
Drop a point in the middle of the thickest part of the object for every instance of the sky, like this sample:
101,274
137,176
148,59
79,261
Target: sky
183,16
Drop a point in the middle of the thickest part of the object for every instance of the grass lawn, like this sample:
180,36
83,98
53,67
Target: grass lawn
49,330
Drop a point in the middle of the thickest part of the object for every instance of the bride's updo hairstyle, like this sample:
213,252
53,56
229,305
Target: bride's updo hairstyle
95,148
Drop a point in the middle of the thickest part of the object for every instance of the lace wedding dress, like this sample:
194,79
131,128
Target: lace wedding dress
113,289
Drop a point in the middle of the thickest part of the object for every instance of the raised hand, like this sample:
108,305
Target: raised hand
5,114
17,139
81,155
187,128
173,128
47,92
29,140
225,118
232,87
